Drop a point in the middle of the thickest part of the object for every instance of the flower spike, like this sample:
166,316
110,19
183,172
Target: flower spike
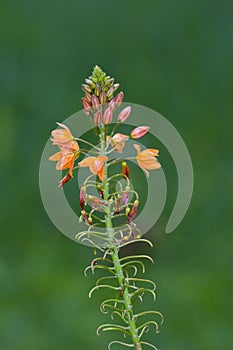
110,211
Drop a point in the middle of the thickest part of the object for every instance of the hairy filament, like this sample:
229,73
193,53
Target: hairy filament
105,278
112,327
142,280
120,315
146,324
105,304
119,342
137,257
150,312
102,286
142,290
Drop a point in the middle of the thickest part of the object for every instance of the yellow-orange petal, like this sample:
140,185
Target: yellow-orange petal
101,174
55,157
65,162
61,136
86,161
150,152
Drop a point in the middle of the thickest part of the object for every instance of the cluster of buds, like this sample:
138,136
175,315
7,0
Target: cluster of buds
99,91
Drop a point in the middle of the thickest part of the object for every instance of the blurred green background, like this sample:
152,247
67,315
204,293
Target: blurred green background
173,56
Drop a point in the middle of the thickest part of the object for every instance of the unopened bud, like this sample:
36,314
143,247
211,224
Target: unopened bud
115,87
97,118
124,114
95,102
85,104
112,104
107,118
86,88
119,98
97,91
90,220
110,93
139,132
88,96
109,82
102,97
90,83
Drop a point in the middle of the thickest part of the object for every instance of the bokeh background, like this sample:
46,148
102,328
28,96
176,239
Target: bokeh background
173,56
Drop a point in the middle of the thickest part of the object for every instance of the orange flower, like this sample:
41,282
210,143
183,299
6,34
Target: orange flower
146,159
118,141
96,165
66,156
61,136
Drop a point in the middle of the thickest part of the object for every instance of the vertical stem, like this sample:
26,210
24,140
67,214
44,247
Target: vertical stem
115,254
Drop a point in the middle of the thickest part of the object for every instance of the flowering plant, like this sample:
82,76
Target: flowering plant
109,215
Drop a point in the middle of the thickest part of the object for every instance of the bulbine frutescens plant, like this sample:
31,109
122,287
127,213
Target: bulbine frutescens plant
109,215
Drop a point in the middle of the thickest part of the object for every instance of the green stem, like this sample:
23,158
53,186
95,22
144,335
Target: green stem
115,254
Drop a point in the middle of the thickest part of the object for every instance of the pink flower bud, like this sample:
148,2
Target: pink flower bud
119,98
97,118
88,96
139,132
85,104
124,114
112,104
107,118
95,102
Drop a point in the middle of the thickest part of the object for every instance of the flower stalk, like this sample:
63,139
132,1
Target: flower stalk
114,252
100,213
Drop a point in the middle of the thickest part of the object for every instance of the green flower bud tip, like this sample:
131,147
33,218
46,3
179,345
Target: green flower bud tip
98,75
